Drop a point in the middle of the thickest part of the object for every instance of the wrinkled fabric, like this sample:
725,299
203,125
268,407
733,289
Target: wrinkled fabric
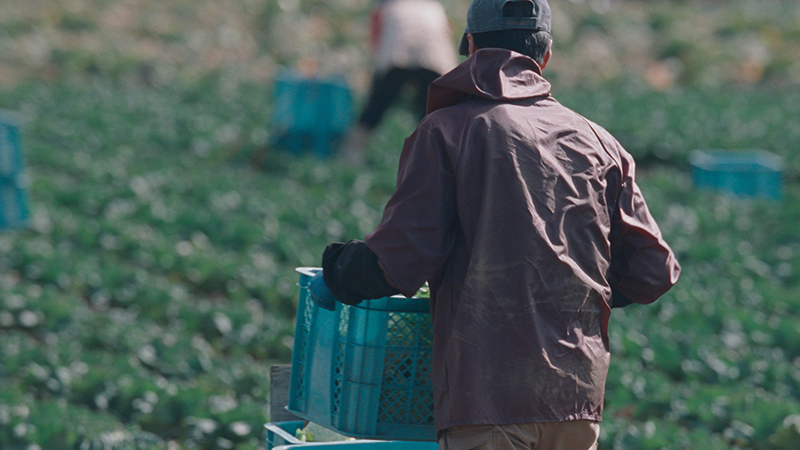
524,217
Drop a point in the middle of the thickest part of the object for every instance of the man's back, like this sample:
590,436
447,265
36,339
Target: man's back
508,204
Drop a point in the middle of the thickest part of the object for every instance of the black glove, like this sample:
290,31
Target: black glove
352,273
619,301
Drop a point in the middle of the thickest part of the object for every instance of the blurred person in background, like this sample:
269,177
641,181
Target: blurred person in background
412,45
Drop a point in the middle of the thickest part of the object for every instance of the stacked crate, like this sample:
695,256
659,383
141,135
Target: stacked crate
283,436
13,198
364,370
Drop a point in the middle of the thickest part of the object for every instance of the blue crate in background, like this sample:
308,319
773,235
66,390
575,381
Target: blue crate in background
310,115
745,173
13,196
364,371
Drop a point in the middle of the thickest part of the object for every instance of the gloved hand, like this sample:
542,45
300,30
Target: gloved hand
618,300
320,293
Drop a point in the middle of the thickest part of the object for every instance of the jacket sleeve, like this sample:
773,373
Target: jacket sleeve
415,237
643,266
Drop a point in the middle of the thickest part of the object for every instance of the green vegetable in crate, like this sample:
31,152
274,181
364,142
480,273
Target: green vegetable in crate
424,291
313,432
304,435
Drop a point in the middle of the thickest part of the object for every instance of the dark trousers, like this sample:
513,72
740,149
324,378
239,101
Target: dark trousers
386,88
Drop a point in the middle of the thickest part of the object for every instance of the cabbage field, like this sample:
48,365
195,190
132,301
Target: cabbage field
154,286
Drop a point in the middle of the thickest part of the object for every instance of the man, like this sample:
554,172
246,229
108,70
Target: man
525,219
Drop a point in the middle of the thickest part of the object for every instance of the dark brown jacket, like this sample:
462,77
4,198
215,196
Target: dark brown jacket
524,217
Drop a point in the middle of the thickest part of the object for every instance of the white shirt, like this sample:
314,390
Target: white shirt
414,33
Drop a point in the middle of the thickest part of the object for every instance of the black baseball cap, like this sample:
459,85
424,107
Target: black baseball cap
487,15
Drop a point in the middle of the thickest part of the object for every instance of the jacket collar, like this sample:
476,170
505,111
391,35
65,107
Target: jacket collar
490,73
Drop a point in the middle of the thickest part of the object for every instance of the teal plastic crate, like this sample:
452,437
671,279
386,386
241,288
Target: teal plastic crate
13,197
365,445
310,115
746,173
283,433
365,370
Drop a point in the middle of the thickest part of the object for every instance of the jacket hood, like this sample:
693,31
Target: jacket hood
490,73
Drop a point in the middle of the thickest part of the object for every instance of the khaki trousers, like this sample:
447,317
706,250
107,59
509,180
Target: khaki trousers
574,435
